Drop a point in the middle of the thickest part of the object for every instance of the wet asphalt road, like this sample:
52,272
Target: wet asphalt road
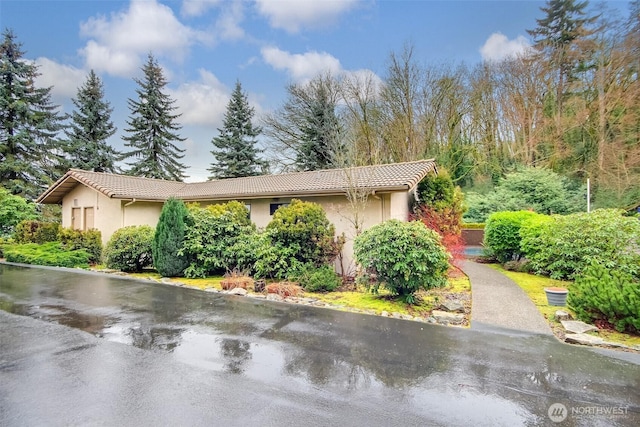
91,349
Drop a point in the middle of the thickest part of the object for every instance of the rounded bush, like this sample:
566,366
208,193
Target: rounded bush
129,249
502,234
316,279
403,256
298,234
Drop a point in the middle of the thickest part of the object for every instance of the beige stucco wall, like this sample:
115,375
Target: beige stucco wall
111,214
140,213
107,212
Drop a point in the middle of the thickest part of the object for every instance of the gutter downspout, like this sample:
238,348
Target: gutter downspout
123,209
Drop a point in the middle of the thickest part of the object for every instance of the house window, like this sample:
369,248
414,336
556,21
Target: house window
273,207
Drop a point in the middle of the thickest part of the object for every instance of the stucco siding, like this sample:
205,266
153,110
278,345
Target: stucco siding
106,211
140,213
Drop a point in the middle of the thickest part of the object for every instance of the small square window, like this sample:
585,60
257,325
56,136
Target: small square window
273,207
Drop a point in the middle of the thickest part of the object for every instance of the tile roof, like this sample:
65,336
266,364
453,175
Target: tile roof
387,177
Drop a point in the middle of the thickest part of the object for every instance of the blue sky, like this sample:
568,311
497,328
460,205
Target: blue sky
204,46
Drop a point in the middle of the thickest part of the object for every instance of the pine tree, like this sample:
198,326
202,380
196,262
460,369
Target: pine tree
306,129
30,154
557,38
236,153
168,239
152,129
90,128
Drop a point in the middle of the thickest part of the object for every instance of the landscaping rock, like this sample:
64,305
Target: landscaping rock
562,315
583,339
237,291
384,314
274,297
431,319
452,306
577,327
447,318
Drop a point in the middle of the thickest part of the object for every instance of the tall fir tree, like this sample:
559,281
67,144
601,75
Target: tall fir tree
31,156
557,38
90,128
152,130
236,154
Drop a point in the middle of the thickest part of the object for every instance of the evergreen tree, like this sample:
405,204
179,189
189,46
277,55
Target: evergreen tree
557,38
152,129
30,155
236,153
90,128
168,239
306,129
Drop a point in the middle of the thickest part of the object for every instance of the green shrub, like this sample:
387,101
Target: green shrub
129,249
91,240
50,253
168,239
219,238
298,234
31,231
537,189
564,246
502,234
612,295
13,210
402,256
316,279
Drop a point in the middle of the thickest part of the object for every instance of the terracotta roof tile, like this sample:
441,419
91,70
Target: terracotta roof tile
388,177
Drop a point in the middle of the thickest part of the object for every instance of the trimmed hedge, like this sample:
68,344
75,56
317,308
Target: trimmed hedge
502,234
562,247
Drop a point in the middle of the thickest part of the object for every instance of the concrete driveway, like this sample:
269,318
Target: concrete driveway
90,349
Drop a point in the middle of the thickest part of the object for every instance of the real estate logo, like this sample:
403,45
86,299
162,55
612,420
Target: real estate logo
557,412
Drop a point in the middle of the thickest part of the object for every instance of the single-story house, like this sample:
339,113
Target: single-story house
374,194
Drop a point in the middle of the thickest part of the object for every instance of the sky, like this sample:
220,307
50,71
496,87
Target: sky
205,46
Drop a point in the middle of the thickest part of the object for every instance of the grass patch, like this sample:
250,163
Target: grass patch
204,283
383,301
534,287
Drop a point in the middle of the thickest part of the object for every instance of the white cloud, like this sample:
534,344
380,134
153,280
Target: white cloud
498,47
197,7
294,15
301,67
118,43
228,24
203,102
63,79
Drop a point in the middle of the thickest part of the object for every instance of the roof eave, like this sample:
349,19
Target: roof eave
294,194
